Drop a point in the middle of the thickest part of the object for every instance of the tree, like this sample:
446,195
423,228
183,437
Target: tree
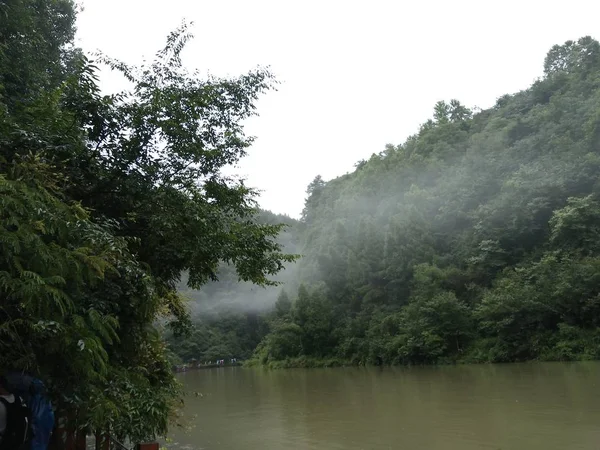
106,201
577,226
312,313
36,38
284,341
314,190
441,112
583,55
283,306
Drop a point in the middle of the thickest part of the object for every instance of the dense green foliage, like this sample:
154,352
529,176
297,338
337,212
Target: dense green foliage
224,334
104,202
230,317
228,293
475,240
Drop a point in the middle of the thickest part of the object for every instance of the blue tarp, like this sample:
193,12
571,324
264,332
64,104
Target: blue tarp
33,392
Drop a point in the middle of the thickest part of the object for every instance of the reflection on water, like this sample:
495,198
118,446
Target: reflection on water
507,407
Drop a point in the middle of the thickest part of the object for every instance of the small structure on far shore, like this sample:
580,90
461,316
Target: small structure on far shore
195,365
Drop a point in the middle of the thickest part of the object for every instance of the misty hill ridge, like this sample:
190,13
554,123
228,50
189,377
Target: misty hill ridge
477,239
229,294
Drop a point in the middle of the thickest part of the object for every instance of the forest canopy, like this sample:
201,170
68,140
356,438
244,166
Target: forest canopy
476,240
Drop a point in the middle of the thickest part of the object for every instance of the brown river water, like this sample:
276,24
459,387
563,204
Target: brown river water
498,407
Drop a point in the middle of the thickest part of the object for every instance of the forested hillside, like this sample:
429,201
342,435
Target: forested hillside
478,239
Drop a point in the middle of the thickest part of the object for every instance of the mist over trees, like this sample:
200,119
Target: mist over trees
229,293
230,317
475,240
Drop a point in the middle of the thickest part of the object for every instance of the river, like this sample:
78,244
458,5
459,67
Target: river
497,407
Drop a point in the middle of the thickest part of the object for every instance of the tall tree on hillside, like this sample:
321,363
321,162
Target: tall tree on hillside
313,192
283,305
582,54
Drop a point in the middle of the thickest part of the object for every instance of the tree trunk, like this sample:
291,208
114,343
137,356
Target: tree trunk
98,436
106,441
57,438
81,440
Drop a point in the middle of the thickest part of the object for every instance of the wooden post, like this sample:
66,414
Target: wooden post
147,446
81,440
106,441
57,439
70,437
98,436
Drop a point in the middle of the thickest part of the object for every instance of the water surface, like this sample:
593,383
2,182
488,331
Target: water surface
497,407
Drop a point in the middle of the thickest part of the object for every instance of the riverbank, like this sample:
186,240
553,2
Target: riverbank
301,362
472,357
188,367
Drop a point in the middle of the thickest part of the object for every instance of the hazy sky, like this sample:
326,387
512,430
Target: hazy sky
355,74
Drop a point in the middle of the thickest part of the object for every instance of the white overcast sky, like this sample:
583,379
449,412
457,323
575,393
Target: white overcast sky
355,75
